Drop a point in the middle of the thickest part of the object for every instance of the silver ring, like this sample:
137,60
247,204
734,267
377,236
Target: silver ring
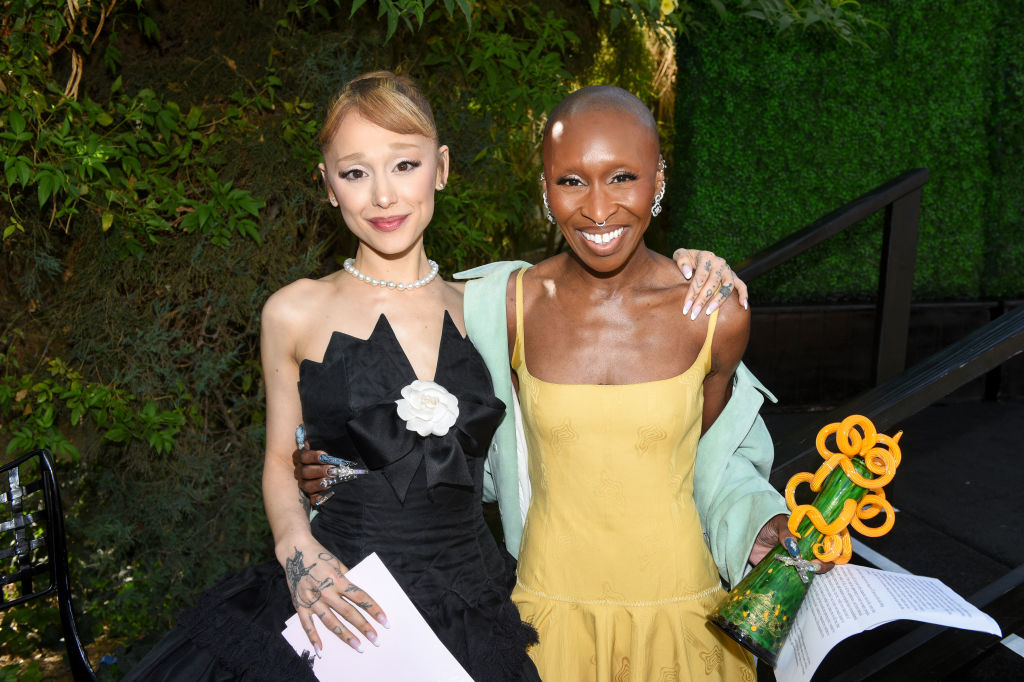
600,224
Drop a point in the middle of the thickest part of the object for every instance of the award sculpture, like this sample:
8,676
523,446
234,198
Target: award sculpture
758,613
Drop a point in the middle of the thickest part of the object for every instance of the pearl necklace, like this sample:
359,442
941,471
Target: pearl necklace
387,284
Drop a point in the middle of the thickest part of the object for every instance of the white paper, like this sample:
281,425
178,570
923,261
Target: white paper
409,650
851,599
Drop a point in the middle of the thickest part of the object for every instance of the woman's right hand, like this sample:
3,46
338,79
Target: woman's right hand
319,588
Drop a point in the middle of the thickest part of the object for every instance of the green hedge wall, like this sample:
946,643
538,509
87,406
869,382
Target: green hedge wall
773,133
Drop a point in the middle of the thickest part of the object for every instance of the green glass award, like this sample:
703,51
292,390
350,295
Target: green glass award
759,612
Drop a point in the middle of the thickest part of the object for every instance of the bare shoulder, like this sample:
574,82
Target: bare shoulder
291,304
732,331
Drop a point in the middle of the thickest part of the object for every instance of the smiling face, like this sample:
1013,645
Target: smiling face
383,182
601,166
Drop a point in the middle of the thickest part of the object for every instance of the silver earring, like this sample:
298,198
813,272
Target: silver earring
547,207
334,202
656,208
440,185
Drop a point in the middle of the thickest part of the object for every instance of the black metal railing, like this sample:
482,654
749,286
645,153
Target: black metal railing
900,198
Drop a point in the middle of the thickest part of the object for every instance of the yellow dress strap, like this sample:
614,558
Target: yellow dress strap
705,351
518,352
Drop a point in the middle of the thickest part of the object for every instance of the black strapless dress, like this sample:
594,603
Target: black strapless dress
418,508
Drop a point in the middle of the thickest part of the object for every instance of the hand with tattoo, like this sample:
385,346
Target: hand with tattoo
712,281
319,588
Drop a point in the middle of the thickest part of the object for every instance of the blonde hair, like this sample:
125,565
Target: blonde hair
392,102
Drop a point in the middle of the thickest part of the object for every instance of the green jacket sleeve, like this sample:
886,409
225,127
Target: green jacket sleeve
730,478
484,310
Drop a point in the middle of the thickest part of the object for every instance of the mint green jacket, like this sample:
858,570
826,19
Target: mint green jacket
730,479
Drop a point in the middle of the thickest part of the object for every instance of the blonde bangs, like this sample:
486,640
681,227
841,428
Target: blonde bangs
392,102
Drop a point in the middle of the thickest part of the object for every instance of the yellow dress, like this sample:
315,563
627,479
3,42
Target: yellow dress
613,570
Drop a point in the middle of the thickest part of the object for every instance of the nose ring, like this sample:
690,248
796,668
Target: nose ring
600,224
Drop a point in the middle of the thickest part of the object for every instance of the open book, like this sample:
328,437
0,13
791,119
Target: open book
409,650
851,599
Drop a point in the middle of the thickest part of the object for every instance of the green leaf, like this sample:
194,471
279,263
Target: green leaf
356,4
466,10
104,119
116,85
17,120
107,220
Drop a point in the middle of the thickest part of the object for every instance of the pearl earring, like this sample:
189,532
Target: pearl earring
440,185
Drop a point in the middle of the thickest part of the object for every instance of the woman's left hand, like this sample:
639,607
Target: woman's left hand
773,534
711,281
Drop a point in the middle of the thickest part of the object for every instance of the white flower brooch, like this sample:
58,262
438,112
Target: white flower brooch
428,408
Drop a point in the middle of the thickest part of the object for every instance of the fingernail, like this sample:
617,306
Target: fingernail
319,650
687,271
711,308
792,547
372,636
383,620
354,643
686,308
696,310
746,304
333,471
324,458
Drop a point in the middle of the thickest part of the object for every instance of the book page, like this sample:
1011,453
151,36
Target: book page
851,599
409,650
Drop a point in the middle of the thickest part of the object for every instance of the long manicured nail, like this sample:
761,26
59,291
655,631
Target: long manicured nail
687,272
383,620
711,308
300,436
354,643
328,459
319,650
372,636
686,308
696,311
332,472
746,304
791,547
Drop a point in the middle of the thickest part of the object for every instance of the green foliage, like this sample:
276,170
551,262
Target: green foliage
33,409
776,133
161,182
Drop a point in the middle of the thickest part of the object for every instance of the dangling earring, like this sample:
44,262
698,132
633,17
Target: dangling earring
656,207
547,207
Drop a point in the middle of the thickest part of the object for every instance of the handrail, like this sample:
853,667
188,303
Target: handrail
901,200
910,392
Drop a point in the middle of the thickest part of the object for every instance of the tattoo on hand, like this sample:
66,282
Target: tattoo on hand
352,588
726,290
326,556
365,605
298,575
